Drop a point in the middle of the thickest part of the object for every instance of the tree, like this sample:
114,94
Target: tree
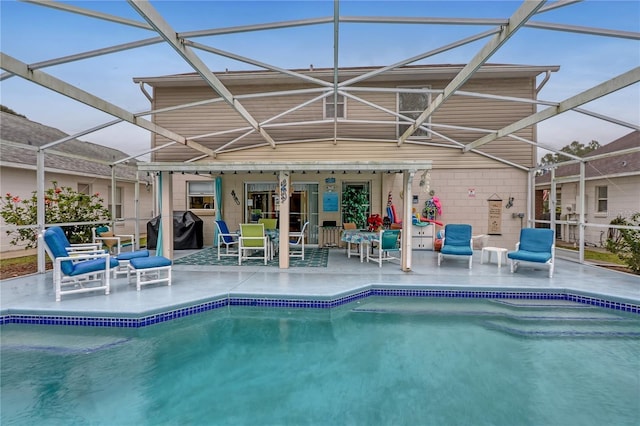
355,205
575,148
62,205
626,242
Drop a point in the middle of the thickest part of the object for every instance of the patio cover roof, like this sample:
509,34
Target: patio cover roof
501,30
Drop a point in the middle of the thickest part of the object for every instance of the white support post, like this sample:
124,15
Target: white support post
581,213
136,201
284,188
552,203
40,208
407,221
167,215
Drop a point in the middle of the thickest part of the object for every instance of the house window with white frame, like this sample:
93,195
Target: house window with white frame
411,104
200,194
119,212
340,107
601,199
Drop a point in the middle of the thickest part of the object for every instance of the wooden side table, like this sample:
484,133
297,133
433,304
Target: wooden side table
501,252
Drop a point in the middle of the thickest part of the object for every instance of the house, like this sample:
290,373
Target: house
328,131
83,166
612,189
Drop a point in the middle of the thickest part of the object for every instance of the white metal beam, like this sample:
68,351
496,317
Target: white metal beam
154,19
43,79
623,80
524,12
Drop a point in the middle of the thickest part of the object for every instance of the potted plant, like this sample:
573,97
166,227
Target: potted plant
355,206
375,222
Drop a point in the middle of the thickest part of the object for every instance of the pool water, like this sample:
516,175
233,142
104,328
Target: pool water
380,361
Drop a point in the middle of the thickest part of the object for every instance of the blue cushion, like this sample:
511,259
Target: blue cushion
133,254
94,265
536,240
58,249
60,233
149,262
457,250
530,256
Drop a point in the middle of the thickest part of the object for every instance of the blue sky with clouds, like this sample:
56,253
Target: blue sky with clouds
33,33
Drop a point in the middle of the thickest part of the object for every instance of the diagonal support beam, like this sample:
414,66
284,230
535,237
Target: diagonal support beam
623,80
154,19
517,20
43,79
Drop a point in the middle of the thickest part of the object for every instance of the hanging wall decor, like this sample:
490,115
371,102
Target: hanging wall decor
495,215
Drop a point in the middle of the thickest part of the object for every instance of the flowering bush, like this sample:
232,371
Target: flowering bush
62,205
374,221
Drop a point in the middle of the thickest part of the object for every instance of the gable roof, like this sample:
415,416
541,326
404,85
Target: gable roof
624,164
20,137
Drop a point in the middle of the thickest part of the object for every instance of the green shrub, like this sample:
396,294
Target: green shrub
625,243
62,205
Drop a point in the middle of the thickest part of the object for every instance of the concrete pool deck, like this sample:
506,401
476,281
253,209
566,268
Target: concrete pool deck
192,285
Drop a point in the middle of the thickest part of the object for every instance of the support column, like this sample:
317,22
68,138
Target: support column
136,205
581,214
284,188
407,221
167,214
40,209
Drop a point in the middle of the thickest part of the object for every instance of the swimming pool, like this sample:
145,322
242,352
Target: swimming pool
380,360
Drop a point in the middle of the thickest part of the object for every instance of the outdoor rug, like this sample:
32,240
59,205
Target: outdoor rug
313,257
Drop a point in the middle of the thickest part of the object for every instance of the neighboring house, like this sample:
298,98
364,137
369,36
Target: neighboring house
300,118
612,189
83,166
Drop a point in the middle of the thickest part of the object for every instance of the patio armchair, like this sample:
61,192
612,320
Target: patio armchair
114,242
536,246
77,272
252,238
457,241
388,242
226,238
298,243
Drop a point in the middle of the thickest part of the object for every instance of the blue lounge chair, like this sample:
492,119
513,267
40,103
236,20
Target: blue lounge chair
74,248
457,241
388,242
77,272
536,246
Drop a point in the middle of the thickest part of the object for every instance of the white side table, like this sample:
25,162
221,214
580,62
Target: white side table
501,252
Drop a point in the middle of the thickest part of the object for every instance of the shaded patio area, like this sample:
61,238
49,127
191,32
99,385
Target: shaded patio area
206,286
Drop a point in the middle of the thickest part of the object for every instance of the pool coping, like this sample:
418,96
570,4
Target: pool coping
150,317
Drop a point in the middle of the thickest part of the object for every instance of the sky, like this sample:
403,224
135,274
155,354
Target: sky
33,33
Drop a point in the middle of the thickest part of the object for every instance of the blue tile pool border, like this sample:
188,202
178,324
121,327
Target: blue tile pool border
156,318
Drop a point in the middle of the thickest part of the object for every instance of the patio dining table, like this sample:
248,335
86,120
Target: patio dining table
361,237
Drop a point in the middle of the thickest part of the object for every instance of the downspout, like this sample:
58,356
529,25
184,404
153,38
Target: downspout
543,82
145,93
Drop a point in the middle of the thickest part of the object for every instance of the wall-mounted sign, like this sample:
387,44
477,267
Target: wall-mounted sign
330,201
495,217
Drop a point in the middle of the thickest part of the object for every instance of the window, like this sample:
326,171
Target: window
118,203
200,194
84,188
329,104
412,104
601,199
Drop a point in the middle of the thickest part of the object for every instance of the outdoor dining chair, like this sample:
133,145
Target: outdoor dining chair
252,239
226,238
298,244
388,242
